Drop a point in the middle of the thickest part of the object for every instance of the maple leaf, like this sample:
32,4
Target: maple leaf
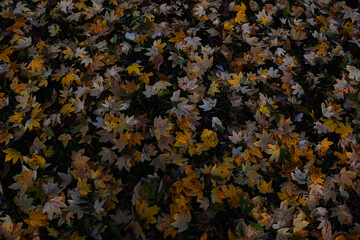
316,175
83,187
165,225
324,145
219,173
37,161
24,203
240,17
134,68
236,80
300,224
26,178
53,206
179,37
194,42
120,143
322,49
354,73
96,63
17,117
342,212
162,127
64,138
213,88
204,63
146,213
181,110
274,150
145,77
233,195
331,124
344,129
283,215
181,221
37,219
67,109
12,154
107,155
209,138
135,139
194,188
157,61
98,206
265,187
4,54
37,64
208,104
68,79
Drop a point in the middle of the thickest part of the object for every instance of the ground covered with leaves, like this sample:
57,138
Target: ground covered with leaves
179,119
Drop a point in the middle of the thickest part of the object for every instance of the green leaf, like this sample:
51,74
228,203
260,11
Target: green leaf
220,129
256,226
285,154
87,78
216,178
75,129
166,91
135,20
301,108
175,103
115,230
42,18
50,131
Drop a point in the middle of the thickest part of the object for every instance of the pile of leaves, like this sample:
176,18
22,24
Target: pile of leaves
202,119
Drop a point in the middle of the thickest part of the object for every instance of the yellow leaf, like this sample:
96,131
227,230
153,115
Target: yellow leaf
344,129
159,46
4,54
12,154
299,225
322,49
263,20
37,219
68,53
209,138
214,88
145,77
135,139
182,138
52,232
240,17
220,172
36,64
84,188
179,37
146,213
231,191
316,175
17,117
330,124
64,138
235,82
68,79
134,68
324,145
67,108
265,187
239,8
36,162
274,150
